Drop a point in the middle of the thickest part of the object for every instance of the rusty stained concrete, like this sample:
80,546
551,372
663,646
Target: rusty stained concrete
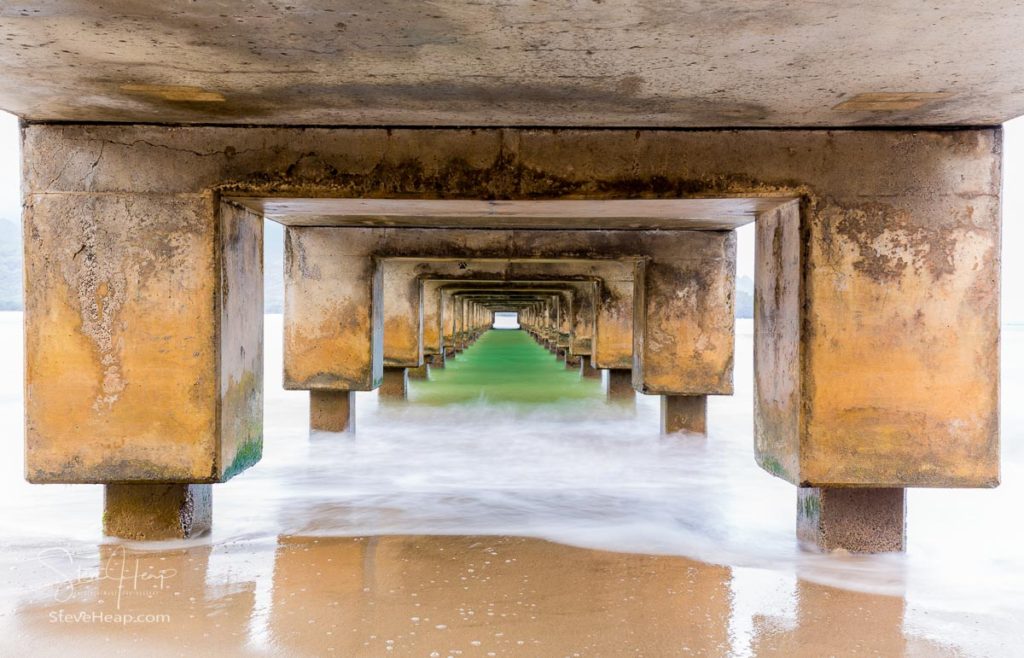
629,64
136,300
154,512
684,413
331,330
899,236
684,315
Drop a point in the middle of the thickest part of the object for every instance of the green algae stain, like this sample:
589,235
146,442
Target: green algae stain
248,454
505,366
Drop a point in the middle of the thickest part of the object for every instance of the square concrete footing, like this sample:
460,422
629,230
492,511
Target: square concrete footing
417,373
395,385
684,413
332,411
588,371
157,511
620,385
855,520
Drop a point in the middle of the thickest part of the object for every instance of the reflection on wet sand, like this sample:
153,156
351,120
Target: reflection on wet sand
444,596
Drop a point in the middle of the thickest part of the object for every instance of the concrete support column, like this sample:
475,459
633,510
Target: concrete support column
332,411
588,370
157,511
684,413
572,361
858,520
395,385
417,373
620,385
434,360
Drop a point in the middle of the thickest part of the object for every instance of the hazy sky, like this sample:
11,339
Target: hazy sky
1013,203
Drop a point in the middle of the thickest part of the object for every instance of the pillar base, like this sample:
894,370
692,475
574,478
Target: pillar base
588,371
572,361
157,511
332,411
395,385
434,360
854,520
684,413
620,385
417,373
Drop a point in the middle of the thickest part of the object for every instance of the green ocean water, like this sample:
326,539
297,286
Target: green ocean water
505,366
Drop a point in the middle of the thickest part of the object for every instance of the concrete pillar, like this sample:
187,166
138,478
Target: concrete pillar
434,360
157,511
620,385
417,373
861,520
332,411
572,361
395,385
588,370
684,413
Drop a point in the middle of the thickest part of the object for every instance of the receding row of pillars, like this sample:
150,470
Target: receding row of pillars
334,411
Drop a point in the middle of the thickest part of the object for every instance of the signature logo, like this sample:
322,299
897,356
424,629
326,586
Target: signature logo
125,571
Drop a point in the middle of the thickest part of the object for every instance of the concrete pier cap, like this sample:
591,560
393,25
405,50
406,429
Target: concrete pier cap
172,213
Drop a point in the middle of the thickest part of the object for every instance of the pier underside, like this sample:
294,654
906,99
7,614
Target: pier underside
876,302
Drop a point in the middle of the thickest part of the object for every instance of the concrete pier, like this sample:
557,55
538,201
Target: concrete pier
332,411
157,511
420,372
395,385
588,371
620,386
684,413
144,281
855,520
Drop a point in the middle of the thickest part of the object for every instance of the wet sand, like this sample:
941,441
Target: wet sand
448,596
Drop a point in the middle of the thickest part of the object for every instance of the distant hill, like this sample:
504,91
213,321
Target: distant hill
273,271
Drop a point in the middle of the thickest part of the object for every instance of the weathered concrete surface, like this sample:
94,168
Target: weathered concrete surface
684,315
855,520
721,214
333,322
716,63
620,385
143,329
419,372
898,296
877,331
241,340
684,413
332,411
395,385
403,313
152,512
331,326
